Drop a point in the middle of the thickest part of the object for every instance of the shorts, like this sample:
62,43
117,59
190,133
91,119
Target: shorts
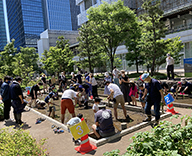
98,130
67,104
51,108
141,100
119,99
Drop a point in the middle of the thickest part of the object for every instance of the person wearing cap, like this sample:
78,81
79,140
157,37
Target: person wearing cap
95,105
124,85
117,96
116,73
154,95
17,99
5,95
103,126
107,78
186,87
170,66
67,103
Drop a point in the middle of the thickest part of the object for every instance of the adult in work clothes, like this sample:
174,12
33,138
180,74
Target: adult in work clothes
124,85
35,88
5,94
17,99
154,94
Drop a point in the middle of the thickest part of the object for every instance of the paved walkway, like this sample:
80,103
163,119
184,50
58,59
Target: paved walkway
62,145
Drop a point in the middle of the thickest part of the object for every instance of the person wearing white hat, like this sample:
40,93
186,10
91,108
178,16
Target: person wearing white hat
73,78
154,95
103,126
170,66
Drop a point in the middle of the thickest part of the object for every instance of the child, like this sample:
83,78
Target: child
95,105
73,121
49,101
141,92
133,92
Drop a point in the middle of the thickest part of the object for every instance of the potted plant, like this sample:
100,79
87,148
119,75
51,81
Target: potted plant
1,111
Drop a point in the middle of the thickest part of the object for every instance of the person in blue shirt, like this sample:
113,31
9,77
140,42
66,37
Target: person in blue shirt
154,94
5,95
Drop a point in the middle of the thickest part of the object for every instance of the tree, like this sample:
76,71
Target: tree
153,30
134,50
6,58
25,63
111,25
58,58
89,51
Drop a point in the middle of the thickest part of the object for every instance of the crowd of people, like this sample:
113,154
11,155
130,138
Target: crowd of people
120,90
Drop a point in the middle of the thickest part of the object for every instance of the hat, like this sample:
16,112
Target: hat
179,82
183,79
144,76
101,105
168,55
122,71
106,74
97,99
72,73
73,88
131,81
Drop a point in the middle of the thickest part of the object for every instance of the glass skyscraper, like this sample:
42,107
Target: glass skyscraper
26,21
57,14
3,37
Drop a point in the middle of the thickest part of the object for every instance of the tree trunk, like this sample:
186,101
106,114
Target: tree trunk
89,59
153,66
112,67
137,68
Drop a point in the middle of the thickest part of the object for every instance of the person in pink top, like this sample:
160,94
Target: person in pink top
133,92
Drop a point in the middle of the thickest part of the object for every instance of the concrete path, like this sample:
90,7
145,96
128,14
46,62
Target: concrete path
62,145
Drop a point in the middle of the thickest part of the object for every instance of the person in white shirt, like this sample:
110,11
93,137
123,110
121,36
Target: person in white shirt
117,95
94,86
67,103
116,73
170,66
95,105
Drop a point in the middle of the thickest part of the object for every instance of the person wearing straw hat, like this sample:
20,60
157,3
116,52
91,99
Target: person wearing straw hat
103,126
154,95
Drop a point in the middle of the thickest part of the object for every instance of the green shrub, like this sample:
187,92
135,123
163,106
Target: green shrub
19,142
1,109
166,140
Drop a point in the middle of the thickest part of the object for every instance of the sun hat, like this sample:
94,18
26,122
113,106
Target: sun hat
168,55
106,74
144,76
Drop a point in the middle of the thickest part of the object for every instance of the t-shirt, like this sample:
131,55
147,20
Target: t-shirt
79,78
170,61
35,88
95,107
116,73
141,91
93,81
15,91
153,90
164,85
69,94
43,79
73,121
187,84
51,94
116,90
104,118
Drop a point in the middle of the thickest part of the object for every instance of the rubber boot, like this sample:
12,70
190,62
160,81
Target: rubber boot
147,119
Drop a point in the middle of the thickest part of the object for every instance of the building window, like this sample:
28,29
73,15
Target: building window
88,4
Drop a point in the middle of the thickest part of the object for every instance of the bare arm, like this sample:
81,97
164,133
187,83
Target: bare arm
111,93
162,96
145,93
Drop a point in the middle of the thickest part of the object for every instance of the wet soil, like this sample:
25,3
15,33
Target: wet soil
135,117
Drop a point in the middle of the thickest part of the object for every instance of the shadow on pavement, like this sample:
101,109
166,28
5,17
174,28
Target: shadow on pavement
11,123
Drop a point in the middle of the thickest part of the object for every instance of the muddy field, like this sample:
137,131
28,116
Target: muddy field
136,117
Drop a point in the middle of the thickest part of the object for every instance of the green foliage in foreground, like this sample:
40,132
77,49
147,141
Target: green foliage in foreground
1,109
19,142
166,140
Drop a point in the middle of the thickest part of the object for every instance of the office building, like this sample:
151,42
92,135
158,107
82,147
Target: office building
26,21
177,17
4,31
